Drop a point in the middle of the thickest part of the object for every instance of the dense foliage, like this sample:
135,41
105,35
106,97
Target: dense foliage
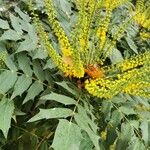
74,75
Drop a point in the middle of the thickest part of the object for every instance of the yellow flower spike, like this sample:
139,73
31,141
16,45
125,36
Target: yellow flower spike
139,5
107,88
78,73
135,88
65,45
112,4
135,61
101,88
142,14
103,134
144,36
3,55
101,33
83,43
59,32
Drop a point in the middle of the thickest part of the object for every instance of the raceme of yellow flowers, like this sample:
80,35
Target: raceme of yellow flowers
2,58
142,16
85,50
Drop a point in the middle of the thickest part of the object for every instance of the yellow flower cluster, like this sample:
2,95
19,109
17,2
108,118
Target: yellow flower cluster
102,88
83,43
83,35
51,51
138,89
89,42
78,72
112,4
103,134
135,61
2,58
84,22
109,87
142,16
70,61
59,32
64,63
142,20
86,5
140,5
145,35
101,32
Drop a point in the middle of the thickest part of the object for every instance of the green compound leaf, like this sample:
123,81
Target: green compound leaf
25,45
52,113
86,143
116,56
30,40
10,35
4,24
6,112
24,16
16,24
10,64
59,98
85,123
33,91
131,44
21,86
145,128
38,70
136,144
125,137
65,86
24,64
7,80
127,110
67,136
40,53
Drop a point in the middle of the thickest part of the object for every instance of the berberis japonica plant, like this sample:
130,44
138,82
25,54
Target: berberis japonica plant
75,75
92,40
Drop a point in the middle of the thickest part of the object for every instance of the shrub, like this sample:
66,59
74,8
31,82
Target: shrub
74,74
